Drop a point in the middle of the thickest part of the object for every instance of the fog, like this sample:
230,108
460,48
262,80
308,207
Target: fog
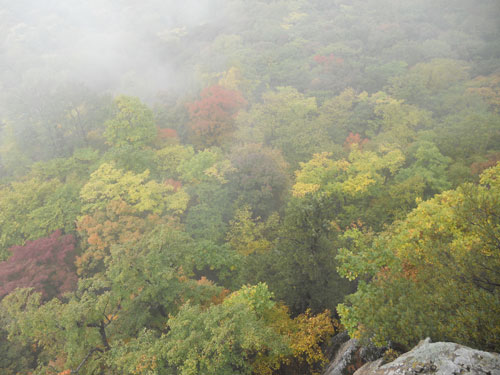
142,48
108,45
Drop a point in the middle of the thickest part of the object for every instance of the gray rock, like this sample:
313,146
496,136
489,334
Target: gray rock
440,358
335,343
346,359
345,355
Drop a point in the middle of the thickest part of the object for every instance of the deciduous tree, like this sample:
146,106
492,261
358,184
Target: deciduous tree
212,117
434,274
133,124
45,264
34,208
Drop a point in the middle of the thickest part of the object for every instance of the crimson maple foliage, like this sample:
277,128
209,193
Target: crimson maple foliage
212,117
45,264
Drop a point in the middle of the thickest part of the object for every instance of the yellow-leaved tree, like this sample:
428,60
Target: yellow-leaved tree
119,207
436,273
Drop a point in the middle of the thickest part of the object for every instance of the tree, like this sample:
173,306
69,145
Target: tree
468,133
133,124
259,178
45,264
352,177
329,196
487,87
397,123
430,165
132,158
108,317
73,170
33,208
336,115
120,207
438,85
434,274
285,121
199,343
206,178
108,183
18,353
47,121
117,224
208,165
212,117
301,268
169,159
251,236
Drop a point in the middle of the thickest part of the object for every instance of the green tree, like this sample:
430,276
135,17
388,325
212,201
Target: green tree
34,208
44,121
199,343
133,124
259,178
17,354
434,274
96,328
329,197
285,121
206,178
430,165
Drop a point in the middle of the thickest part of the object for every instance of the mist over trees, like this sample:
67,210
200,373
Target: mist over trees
219,186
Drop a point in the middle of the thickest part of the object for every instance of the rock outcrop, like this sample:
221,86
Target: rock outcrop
438,358
346,355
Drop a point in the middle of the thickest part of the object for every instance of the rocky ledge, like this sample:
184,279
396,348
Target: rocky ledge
438,358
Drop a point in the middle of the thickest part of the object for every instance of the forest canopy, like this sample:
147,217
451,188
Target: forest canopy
220,186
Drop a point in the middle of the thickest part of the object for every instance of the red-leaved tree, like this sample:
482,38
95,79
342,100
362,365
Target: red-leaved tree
45,264
212,117
354,139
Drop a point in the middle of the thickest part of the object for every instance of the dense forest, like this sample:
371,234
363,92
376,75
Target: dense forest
221,186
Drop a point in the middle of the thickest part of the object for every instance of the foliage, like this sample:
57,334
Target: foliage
430,165
301,269
291,143
106,317
308,334
487,87
397,123
351,177
44,264
248,236
133,124
205,166
52,120
119,208
212,117
230,338
18,354
434,274
170,157
107,184
34,208
259,178
284,120
118,224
